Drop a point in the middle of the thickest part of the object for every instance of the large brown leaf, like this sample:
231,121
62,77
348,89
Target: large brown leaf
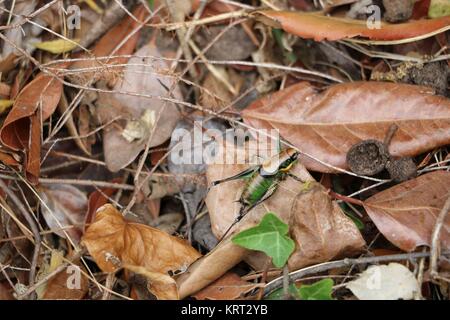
326,124
406,213
320,229
138,80
319,27
111,237
22,127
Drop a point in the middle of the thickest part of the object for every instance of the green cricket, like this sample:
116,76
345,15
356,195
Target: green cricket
262,181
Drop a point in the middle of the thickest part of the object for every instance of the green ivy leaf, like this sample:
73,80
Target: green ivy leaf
270,237
320,290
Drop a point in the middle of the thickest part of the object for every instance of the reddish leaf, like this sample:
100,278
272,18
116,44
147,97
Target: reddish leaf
8,159
214,7
421,9
22,127
64,285
326,124
6,292
97,199
319,27
406,213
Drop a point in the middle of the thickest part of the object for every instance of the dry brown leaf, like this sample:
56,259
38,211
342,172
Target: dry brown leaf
320,229
313,25
228,287
326,124
161,285
7,159
112,241
6,292
139,79
65,206
22,127
97,199
406,213
64,285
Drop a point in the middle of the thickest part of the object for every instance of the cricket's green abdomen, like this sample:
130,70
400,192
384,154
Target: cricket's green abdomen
256,188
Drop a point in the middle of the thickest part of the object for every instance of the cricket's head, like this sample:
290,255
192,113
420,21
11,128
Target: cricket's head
288,159
281,162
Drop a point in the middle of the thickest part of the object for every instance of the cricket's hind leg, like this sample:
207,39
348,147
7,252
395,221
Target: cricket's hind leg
244,174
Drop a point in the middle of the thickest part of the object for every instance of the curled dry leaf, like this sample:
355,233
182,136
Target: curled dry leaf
325,125
21,130
319,228
319,27
112,240
161,285
143,76
228,287
386,282
64,210
406,213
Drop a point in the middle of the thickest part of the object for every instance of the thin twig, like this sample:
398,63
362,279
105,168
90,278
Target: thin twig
296,275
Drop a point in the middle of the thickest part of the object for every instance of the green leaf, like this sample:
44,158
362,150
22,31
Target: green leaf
439,8
270,237
320,290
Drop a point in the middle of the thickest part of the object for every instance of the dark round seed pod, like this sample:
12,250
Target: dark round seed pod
401,169
367,157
